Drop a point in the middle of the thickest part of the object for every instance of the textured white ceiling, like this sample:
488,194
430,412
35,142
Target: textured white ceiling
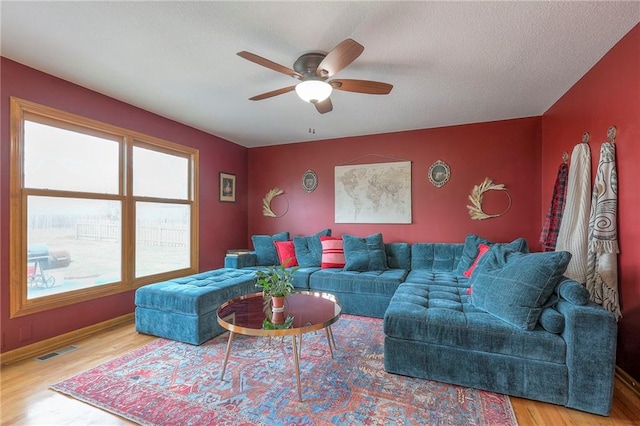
450,62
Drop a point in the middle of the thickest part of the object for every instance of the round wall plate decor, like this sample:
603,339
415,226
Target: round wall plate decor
309,181
439,173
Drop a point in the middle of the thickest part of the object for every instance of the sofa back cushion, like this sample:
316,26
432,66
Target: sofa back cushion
436,256
398,255
266,254
364,254
309,249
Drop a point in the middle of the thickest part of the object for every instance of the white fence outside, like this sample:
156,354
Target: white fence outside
149,233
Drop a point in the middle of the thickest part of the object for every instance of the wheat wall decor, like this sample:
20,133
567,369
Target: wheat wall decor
266,203
475,209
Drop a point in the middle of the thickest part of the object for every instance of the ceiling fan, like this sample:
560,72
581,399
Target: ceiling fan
313,70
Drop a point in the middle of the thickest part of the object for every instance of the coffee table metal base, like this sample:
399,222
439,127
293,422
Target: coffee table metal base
297,353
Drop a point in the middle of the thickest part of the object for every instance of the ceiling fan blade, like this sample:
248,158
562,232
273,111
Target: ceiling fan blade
269,64
324,106
273,93
362,86
341,56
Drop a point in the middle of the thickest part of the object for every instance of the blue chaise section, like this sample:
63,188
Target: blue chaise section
185,309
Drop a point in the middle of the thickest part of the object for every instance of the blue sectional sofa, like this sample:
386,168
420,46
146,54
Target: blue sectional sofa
500,330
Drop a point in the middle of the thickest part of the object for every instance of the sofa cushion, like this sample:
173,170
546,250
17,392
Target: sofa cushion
436,256
309,249
286,253
196,294
332,252
302,275
443,315
265,250
515,286
424,276
364,254
369,282
471,248
398,255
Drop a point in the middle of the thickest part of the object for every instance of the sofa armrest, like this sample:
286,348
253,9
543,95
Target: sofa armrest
239,261
590,334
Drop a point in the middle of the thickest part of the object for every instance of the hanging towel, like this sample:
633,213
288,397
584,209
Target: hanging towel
574,227
602,275
549,235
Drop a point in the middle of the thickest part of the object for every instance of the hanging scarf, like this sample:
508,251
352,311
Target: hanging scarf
574,227
549,235
602,275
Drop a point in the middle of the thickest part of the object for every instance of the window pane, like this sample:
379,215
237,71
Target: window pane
163,239
73,243
156,174
61,159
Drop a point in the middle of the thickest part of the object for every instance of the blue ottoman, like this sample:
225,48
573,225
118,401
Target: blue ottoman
185,308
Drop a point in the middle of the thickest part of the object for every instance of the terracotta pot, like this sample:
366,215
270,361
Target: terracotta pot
277,302
278,318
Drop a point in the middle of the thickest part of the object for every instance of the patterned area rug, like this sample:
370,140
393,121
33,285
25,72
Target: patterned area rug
172,383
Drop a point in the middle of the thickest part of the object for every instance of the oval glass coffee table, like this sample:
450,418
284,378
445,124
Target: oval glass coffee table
309,311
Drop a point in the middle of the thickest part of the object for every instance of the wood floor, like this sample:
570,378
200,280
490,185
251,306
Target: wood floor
26,399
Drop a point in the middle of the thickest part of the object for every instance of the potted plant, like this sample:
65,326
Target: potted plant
276,283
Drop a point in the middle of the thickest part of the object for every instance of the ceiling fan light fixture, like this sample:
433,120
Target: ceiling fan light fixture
313,91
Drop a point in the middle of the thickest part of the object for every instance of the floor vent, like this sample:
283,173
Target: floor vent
55,353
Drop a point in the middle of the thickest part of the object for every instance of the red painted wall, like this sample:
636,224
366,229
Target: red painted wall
222,225
609,94
506,151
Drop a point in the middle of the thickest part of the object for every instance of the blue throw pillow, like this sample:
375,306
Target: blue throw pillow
515,286
364,254
266,254
470,250
309,249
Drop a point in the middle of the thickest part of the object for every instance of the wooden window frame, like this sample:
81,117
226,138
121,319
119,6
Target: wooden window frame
22,110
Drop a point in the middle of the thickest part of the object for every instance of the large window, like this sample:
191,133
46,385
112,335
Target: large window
95,209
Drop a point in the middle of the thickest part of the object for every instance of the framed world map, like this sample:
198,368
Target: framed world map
373,193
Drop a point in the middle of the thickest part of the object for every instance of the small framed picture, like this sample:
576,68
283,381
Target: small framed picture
309,181
227,187
439,173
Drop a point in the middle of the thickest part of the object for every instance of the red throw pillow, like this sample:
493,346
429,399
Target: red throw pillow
482,250
332,252
286,253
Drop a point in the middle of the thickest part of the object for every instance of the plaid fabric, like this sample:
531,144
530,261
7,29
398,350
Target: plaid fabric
549,235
